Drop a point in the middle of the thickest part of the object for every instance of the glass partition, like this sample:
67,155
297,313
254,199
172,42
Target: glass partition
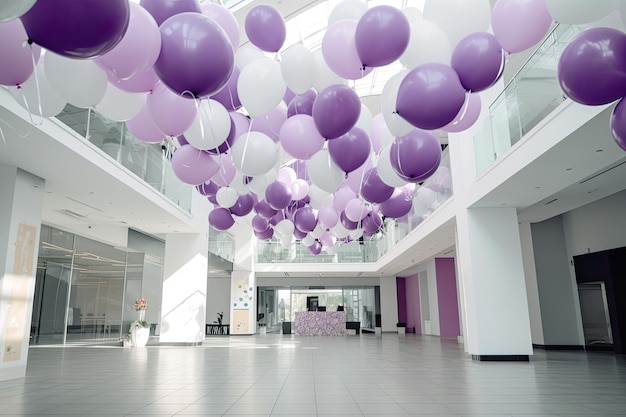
149,161
531,95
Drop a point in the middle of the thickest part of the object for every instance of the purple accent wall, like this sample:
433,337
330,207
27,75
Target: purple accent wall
447,297
413,314
401,294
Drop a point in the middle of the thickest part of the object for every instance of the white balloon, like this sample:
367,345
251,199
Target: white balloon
226,197
11,9
340,231
324,76
119,105
397,125
299,189
365,119
42,100
347,9
261,86
246,54
356,234
428,43
240,185
459,18
385,170
298,68
355,210
284,227
317,232
324,172
254,153
285,241
576,12
286,175
211,126
258,185
412,14
79,81
308,240
317,204
425,197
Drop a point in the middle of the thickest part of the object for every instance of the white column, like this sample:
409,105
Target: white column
21,204
532,287
243,286
495,302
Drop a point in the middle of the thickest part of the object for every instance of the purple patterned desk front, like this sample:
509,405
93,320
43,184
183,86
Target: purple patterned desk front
320,323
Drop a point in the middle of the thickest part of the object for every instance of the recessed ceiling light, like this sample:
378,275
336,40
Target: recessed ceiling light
599,150
568,169
537,187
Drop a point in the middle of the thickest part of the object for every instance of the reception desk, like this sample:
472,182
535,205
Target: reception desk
320,323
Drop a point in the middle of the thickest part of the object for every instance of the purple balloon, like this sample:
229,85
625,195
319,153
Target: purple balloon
221,219
265,28
398,205
618,124
299,137
316,248
278,195
244,205
265,235
140,83
162,10
260,223
270,122
347,223
435,84
416,155
196,56
467,115
372,223
228,95
351,150
264,210
208,188
336,110
17,64
225,19
374,189
478,59
382,35
300,104
592,68
77,29
289,95
276,218
193,166
299,234
304,219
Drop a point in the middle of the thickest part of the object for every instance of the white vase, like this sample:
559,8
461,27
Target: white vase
139,336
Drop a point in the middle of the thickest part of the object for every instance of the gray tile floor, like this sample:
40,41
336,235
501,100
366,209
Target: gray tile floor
275,375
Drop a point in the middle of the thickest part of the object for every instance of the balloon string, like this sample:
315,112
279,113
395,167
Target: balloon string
245,146
464,108
37,86
30,114
232,100
88,127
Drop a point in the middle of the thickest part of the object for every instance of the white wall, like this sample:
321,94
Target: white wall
428,297
532,289
217,299
556,287
388,304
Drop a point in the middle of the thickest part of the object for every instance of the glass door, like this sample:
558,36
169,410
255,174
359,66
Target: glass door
595,313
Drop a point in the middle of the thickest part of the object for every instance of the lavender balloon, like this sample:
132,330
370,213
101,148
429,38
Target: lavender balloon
382,35
374,189
372,223
208,188
162,10
592,68
336,110
77,28
221,219
430,96
299,137
347,223
193,166
478,59
350,150
520,24
265,28
415,156
196,56
618,124
225,19
259,223
17,66
244,205
265,235
316,248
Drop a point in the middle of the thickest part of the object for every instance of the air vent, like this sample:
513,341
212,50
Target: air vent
73,214
602,172
286,274
317,287
551,201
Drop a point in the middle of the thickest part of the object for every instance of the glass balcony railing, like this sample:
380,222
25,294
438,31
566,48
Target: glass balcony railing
531,95
148,161
221,244
427,198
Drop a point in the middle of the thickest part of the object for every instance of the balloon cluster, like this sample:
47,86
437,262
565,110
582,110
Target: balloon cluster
276,136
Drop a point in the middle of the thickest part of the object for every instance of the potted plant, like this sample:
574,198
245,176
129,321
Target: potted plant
140,328
401,328
220,317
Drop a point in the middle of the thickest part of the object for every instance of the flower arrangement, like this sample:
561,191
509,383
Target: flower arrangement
141,304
